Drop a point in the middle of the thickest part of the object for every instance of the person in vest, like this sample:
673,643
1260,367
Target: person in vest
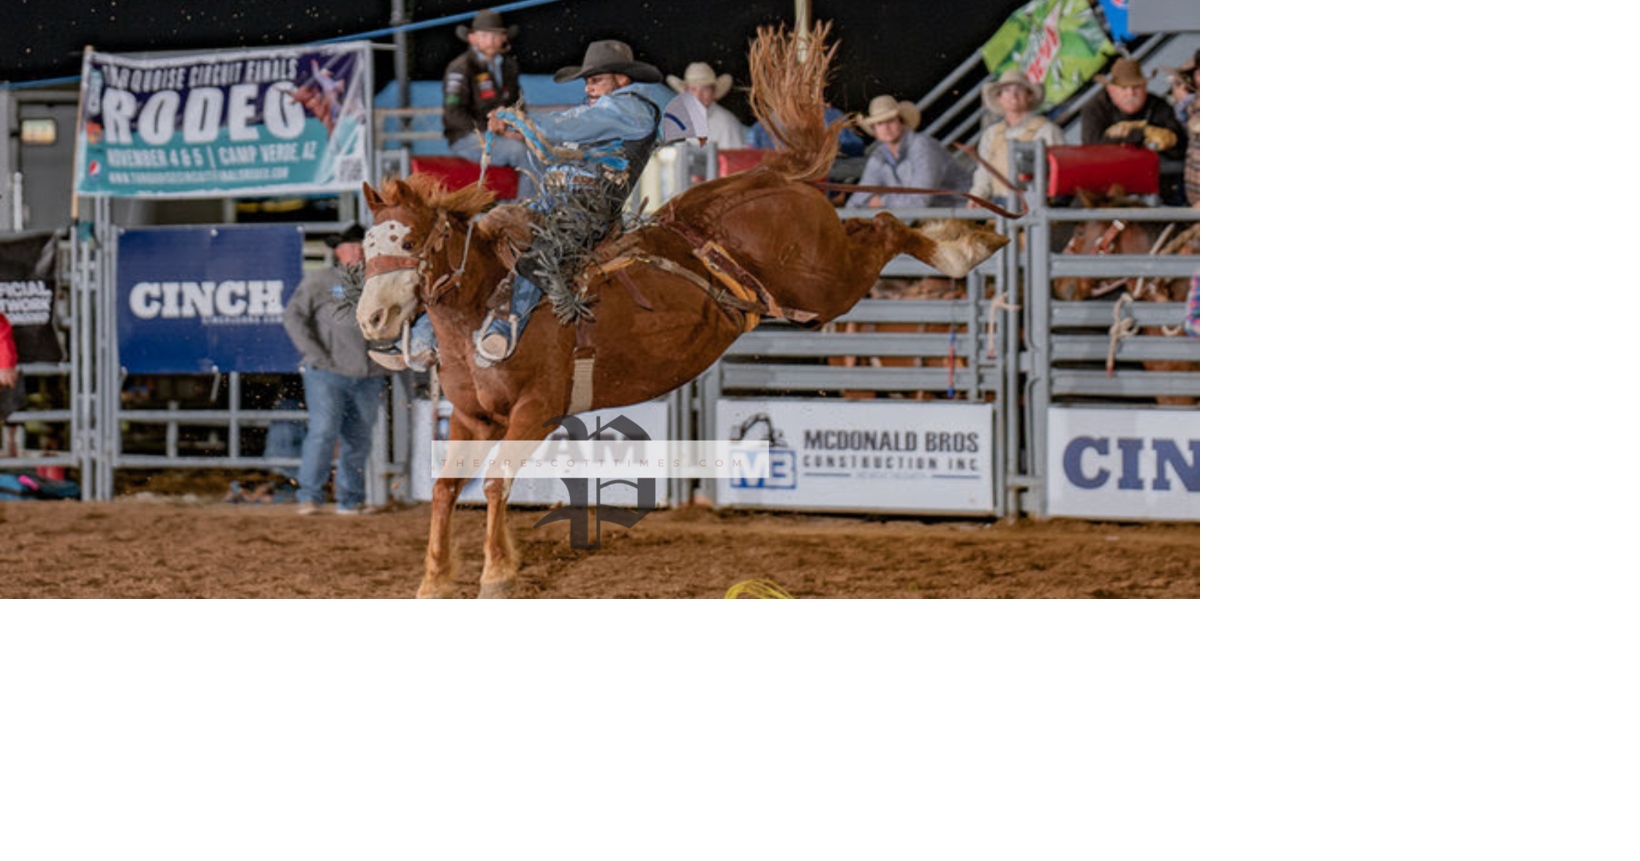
482,80
1016,99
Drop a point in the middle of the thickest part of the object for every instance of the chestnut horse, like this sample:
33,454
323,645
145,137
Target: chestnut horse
1131,236
667,297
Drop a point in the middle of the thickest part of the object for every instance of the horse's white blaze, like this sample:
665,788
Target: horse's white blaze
389,298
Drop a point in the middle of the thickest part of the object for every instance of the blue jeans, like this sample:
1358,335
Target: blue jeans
339,408
508,152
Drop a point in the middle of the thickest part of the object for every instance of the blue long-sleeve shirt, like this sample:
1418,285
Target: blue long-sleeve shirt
617,116
923,163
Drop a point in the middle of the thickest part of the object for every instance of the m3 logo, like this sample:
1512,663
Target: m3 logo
782,462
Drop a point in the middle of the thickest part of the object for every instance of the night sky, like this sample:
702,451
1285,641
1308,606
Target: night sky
896,46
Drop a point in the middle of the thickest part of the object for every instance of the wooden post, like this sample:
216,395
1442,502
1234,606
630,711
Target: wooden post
803,26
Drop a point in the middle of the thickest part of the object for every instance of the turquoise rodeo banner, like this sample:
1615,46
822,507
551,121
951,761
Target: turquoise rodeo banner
226,123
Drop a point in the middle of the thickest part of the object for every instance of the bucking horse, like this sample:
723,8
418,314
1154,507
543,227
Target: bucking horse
666,297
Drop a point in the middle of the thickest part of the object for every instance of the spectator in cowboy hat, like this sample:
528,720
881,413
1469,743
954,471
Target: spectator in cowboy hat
1015,99
343,388
721,126
483,79
1126,112
904,157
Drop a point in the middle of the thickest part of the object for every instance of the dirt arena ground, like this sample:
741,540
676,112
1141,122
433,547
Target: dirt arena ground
166,548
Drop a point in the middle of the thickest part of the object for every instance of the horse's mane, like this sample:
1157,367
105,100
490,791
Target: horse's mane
428,190
788,97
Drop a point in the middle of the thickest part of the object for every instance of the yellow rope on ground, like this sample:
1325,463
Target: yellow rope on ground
757,589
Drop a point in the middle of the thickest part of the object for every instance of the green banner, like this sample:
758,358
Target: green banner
1057,43
227,123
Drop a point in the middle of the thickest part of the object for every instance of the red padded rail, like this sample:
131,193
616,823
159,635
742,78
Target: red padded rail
737,160
1097,167
460,173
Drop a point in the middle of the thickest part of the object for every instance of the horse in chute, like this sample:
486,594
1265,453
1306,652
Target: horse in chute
667,297
1133,237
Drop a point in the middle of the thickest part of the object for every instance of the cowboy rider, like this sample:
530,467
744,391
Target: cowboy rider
581,191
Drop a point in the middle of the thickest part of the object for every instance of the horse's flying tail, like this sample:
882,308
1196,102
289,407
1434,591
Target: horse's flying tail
789,74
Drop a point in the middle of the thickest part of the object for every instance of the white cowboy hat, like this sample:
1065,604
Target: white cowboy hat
1012,77
885,108
700,74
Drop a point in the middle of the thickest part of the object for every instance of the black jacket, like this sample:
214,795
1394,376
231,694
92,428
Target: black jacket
1101,113
470,93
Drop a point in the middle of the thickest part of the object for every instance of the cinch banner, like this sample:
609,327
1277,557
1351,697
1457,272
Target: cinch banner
230,123
1124,464
28,294
201,300
1057,43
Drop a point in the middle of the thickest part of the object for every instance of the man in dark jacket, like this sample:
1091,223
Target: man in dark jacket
1126,112
343,388
484,78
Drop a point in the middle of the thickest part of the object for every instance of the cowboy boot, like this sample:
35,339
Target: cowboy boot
418,351
495,339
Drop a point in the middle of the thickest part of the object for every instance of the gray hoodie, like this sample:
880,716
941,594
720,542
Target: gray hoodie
323,327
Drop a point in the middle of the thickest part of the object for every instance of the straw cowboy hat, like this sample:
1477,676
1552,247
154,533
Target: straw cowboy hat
1124,73
700,75
487,21
988,93
609,57
885,108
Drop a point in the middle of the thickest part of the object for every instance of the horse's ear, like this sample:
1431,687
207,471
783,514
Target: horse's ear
371,198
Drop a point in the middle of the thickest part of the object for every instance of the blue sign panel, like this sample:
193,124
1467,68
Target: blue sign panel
198,300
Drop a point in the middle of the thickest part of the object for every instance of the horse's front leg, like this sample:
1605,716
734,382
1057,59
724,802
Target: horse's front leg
440,564
500,556
526,428
439,579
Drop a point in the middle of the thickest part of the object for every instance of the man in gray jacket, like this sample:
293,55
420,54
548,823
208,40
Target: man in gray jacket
343,388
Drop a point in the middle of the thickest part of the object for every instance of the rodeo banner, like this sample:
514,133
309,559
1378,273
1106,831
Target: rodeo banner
1056,43
230,123
28,294
203,300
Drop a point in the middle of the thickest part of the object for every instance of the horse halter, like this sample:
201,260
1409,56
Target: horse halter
1103,244
396,236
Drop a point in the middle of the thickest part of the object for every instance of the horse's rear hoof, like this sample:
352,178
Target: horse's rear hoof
498,589
440,590
960,246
